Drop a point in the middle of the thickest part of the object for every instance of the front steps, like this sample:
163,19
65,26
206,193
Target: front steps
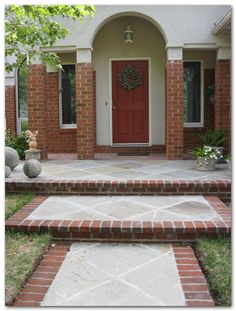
97,218
100,270
219,188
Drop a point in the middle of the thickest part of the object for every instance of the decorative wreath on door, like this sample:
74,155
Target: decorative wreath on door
130,78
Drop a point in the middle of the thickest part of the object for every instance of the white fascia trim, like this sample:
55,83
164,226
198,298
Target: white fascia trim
62,49
207,46
224,22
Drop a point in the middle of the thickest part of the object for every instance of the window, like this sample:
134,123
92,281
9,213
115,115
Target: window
192,94
67,96
22,124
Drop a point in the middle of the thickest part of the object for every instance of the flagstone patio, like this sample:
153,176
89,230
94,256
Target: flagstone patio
123,170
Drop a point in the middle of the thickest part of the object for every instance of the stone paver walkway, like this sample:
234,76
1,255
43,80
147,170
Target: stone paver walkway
123,170
104,274
114,274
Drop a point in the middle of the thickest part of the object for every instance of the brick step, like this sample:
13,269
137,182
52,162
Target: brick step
82,229
219,188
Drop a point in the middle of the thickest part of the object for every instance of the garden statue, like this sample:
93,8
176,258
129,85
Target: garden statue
33,152
31,139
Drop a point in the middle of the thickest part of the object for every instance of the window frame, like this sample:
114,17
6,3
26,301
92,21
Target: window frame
63,126
18,118
201,123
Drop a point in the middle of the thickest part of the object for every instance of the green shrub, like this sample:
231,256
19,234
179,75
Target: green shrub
213,138
17,142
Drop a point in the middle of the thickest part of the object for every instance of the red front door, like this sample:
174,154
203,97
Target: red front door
130,101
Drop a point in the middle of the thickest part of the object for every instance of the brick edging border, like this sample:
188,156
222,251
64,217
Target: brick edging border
220,188
192,279
98,230
38,284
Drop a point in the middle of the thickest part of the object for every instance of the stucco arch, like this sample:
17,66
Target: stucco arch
128,13
105,14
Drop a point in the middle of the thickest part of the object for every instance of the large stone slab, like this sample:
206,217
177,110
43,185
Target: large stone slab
105,274
155,208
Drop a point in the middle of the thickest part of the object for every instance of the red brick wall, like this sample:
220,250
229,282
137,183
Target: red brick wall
191,135
174,109
36,82
223,99
59,140
85,111
10,107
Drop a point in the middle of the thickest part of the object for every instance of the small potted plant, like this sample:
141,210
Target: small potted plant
214,140
210,93
206,158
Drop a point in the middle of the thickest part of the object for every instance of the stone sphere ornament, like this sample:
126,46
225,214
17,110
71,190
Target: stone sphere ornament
32,168
11,157
7,171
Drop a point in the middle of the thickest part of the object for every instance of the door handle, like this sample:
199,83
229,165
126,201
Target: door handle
113,107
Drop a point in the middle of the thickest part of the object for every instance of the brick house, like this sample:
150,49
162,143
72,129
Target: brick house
135,78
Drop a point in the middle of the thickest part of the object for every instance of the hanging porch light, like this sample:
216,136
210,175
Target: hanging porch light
128,35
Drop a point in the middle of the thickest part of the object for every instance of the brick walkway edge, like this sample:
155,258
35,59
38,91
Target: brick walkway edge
192,279
40,281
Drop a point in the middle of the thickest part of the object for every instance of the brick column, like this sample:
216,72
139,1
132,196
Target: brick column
223,99
10,107
36,89
174,109
85,111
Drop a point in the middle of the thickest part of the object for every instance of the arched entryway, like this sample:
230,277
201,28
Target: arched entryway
135,116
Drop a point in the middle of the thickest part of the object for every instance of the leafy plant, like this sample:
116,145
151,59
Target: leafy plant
213,138
28,28
17,142
202,152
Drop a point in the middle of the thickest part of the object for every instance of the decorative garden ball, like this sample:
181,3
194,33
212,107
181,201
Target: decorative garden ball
32,168
7,171
11,157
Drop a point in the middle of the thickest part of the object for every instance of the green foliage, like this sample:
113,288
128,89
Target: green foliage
13,202
28,28
202,152
215,257
213,138
22,255
17,142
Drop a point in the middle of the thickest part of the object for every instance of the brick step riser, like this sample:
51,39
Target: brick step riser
158,234
219,188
